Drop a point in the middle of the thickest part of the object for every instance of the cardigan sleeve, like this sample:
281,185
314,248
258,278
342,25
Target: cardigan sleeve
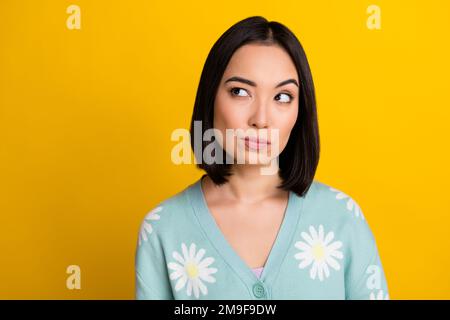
364,275
151,276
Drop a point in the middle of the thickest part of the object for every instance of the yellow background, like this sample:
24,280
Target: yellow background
86,117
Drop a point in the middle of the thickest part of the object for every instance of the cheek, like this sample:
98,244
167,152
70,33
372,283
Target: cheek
286,125
227,116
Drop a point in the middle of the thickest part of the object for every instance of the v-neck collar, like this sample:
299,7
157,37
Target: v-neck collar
224,248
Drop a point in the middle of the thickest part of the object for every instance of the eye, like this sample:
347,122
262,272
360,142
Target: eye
236,89
289,97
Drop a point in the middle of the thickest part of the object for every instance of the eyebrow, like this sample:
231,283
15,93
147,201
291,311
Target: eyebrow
253,84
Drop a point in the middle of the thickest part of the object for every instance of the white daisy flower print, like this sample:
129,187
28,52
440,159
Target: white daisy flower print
318,250
379,296
192,269
146,226
351,204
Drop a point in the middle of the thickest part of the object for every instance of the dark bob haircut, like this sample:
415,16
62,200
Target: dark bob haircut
299,159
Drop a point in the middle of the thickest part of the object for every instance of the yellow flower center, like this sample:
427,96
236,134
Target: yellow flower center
192,270
318,252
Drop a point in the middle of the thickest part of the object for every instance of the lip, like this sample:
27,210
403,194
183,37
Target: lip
255,143
256,140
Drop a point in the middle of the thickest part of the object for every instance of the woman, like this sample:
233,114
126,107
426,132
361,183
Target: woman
243,231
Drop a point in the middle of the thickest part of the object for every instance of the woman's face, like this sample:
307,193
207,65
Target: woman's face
250,98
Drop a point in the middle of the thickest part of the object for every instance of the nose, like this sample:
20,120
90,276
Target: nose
259,117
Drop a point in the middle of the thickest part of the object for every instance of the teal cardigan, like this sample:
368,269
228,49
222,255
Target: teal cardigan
324,249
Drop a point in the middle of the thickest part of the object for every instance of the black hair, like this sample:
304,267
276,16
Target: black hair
299,159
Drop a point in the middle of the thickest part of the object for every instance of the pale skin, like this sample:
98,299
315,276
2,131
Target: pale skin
249,209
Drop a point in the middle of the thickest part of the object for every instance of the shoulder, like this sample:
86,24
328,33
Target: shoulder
164,216
332,200
343,212
335,209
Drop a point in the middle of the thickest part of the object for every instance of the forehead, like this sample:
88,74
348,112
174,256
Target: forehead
264,64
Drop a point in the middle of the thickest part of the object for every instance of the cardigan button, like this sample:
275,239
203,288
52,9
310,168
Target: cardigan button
258,290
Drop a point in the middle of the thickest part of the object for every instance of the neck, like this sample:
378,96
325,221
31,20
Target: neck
248,185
